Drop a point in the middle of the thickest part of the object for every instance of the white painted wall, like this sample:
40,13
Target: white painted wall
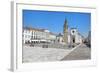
27,34
78,37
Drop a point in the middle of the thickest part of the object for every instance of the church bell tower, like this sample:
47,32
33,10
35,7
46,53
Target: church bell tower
65,32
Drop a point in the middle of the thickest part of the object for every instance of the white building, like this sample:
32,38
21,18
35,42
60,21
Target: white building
33,35
76,37
27,33
59,38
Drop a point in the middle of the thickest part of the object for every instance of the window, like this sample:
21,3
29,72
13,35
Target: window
73,31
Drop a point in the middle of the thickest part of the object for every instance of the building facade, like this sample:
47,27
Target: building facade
33,35
76,37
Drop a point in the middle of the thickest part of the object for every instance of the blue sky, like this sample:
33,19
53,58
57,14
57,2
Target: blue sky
54,21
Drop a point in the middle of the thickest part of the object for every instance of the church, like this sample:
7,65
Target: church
70,35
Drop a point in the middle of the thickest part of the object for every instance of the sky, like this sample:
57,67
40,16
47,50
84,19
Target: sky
54,21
